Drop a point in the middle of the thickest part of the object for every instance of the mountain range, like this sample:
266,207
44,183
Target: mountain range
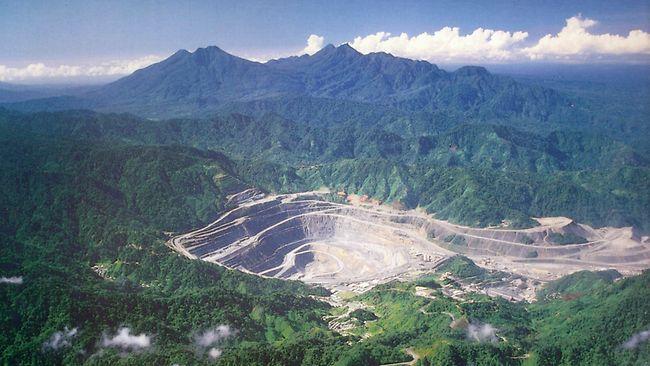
204,81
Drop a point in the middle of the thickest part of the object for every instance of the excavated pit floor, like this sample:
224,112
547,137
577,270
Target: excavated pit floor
343,246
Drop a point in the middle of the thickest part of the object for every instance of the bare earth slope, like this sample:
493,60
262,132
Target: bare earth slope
355,246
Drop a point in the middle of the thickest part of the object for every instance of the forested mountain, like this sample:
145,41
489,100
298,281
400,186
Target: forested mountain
187,82
473,174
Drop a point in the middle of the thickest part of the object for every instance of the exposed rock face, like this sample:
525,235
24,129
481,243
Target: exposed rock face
302,236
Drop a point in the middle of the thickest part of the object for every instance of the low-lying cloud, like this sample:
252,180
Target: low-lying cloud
214,353
212,338
637,339
12,280
125,341
60,339
481,332
43,71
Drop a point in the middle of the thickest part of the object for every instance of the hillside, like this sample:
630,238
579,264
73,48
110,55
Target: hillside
84,229
83,226
476,174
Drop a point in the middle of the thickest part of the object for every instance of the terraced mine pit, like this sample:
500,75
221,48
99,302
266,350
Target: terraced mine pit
302,236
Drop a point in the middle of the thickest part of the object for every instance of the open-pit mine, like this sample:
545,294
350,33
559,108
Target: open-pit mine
357,245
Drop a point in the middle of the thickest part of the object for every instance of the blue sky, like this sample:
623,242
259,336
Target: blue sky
94,32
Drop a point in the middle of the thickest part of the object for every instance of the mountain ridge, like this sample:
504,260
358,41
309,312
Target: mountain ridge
195,83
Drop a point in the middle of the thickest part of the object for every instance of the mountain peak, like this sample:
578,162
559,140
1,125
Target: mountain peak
345,50
342,50
211,49
345,47
329,47
327,50
213,55
181,52
202,55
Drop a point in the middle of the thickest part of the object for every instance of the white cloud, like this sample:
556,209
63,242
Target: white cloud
214,353
125,341
42,71
60,339
314,44
122,67
572,43
575,40
482,332
446,44
12,280
213,337
637,339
